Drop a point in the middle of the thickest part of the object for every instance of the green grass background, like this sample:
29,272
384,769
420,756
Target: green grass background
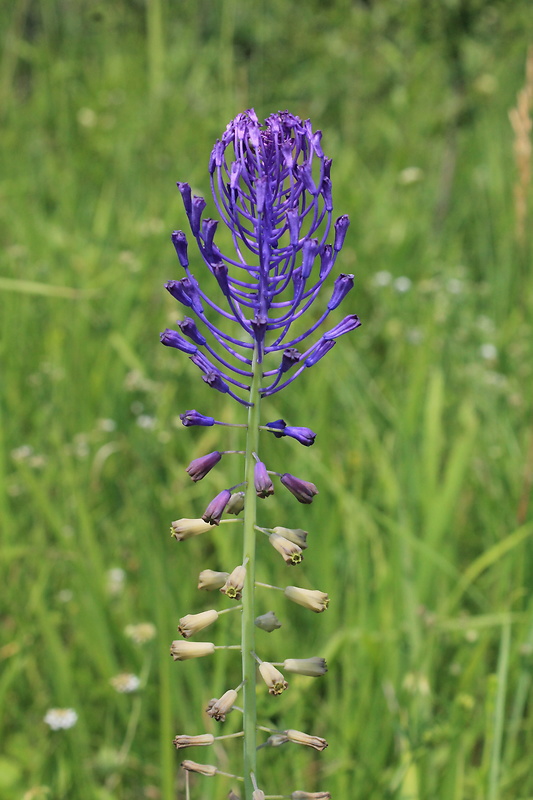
422,532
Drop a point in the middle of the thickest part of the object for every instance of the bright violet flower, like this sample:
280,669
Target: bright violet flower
262,481
215,509
189,418
199,468
271,187
304,491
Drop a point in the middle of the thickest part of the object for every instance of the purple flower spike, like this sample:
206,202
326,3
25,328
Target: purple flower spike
193,417
172,339
302,490
271,186
262,481
199,468
215,509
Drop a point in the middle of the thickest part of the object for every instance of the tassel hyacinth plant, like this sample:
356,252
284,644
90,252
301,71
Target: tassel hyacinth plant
271,186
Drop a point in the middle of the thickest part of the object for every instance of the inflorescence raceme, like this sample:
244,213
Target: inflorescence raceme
271,186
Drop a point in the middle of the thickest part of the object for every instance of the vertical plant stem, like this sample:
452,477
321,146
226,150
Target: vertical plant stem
248,603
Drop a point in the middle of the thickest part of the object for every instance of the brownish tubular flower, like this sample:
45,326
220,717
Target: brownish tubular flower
210,580
217,709
303,738
314,667
182,651
182,529
182,740
192,623
273,678
292,554
310,796
309,598
201,769
234,583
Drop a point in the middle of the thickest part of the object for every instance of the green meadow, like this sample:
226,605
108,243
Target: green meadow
422,533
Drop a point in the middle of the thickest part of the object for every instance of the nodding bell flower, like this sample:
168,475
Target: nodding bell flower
182,651
202,769
199,468
217,709
182,529
234,584
292,554
236,503
296,535
273,678
309,598
258,794
314,667
303,738
271,186
262,481
182,740
268,622
302,490
215,509
192,623
210,580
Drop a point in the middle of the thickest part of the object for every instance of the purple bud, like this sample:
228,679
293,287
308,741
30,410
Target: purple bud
310,250
302,490
215,509
214,380
179,240
306,176
198,205
188,328
343,284
290,357
348,324
319,352
193,417
199,468
220,271
279,426
303,435
341,226
262,481
185,191
293,218
326,194
209,227
178,290
326,261
172,339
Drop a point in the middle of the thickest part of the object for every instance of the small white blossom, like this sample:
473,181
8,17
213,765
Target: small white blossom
140,633
402,284
116,578
488,351
382,278
60,718
125,683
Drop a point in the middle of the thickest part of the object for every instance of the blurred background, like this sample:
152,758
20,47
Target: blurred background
422,532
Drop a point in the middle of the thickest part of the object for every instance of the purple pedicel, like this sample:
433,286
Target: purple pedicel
271,187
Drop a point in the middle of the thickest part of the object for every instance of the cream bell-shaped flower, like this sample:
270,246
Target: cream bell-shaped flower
296,535
210,580
273,678
182,740
202,769
314,667
304,738
217,709
182,651
258,794
234,583
192,623
182,529
309,598
311,796
292,554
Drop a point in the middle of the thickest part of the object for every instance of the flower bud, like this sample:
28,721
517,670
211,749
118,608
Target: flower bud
262,481
234,583
215,509
182,651
310,796
303,435
304,491
172,339
308,598
314,667
268,622
258,794
292,554
296,535
192,623
273,678
183,740
217,709
199,468
210,580
193,417
303,738
201,769
179,240
182,529
236,503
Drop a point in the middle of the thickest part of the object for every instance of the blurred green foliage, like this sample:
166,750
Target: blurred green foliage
422,530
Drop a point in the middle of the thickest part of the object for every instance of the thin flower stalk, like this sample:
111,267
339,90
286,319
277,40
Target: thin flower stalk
271,187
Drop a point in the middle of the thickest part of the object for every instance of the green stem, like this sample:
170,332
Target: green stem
248,601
